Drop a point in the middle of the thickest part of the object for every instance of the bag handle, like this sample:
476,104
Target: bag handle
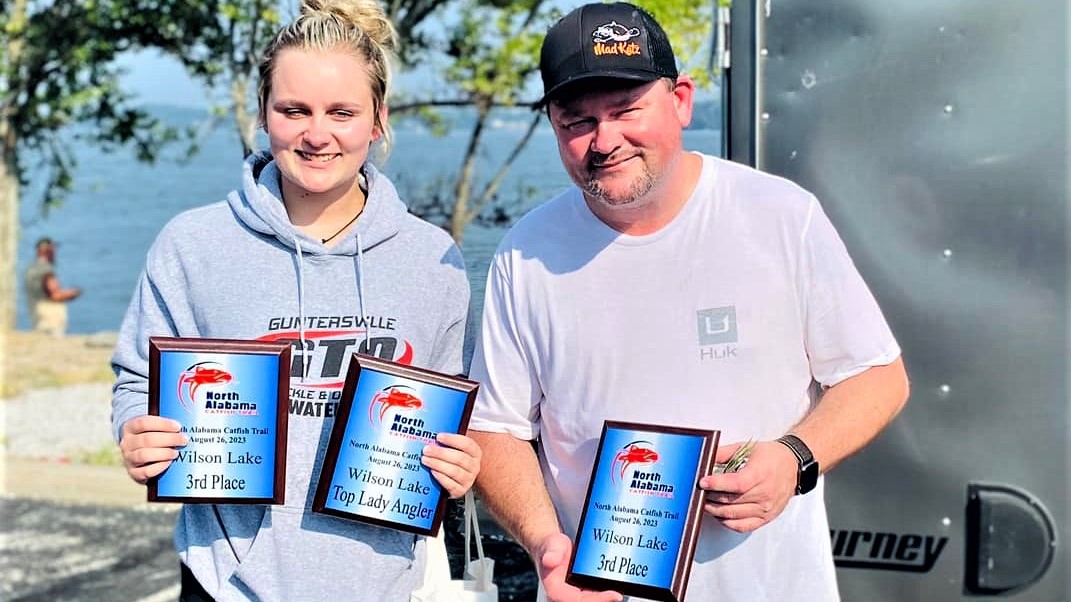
472,527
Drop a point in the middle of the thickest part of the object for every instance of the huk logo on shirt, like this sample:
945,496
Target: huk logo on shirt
716,326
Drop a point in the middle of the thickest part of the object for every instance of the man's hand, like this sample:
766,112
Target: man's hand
148,446
746,500
552,562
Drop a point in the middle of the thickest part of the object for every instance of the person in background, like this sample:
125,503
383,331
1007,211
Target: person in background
46,299
314,247
675,288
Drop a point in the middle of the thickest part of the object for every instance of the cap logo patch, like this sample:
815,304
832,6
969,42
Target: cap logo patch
614,39
614,32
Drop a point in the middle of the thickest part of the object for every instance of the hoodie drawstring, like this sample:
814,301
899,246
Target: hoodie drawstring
359,258
359,268
301,307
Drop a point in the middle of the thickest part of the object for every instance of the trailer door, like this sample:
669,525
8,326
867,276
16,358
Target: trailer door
935,134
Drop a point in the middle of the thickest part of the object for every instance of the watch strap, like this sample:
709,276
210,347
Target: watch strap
799,448
807,470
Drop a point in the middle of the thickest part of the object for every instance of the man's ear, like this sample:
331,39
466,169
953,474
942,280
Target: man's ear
684,97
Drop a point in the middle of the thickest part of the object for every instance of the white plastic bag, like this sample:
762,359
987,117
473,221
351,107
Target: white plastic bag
476,584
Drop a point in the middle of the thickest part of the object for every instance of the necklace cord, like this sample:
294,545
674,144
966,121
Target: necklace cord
323,241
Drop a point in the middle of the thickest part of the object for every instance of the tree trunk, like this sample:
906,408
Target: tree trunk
462,214
503,170
245,122
9,175
9,228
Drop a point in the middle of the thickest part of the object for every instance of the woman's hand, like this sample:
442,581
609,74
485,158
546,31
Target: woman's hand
148,446
454,462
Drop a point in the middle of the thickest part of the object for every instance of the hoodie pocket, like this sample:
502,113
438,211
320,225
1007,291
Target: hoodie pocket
303,556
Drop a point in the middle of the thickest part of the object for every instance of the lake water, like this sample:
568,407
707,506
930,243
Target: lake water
105,227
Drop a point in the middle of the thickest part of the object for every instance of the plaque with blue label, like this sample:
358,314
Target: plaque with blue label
372,471
640,521
230,397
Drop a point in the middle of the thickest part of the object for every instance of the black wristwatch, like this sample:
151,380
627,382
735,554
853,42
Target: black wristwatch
807,474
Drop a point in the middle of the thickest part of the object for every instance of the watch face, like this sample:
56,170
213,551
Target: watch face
808,477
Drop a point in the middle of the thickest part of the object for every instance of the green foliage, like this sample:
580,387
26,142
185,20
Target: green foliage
495,49
222,48
56,70
493,53
410,18
689,25
227,38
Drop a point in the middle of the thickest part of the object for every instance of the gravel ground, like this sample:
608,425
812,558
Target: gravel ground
97,548
60,424
60,552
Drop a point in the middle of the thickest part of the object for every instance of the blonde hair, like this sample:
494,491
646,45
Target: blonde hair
357,26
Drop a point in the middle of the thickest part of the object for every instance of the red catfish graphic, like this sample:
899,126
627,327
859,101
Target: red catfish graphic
205,373
633,453
392,397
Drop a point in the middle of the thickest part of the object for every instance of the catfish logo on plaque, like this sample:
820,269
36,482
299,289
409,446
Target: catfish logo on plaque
398,400
641,518
201,374
230,397
387,414
635,453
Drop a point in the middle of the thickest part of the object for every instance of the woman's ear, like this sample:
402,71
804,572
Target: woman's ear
381,122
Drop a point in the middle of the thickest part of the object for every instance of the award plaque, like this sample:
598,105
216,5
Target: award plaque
231,398
641,518
372,471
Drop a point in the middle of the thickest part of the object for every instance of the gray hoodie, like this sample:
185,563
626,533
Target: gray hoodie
394,287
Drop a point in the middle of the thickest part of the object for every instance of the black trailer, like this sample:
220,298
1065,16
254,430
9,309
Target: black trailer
935,134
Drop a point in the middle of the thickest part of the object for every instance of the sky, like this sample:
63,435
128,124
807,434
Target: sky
158,79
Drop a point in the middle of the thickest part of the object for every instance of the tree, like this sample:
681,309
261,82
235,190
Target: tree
226,52
494,62
495,52
56,70
690,27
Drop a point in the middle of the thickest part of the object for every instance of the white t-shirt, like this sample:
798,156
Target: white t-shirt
723,319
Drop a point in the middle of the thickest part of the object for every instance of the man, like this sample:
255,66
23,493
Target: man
45,298
674,288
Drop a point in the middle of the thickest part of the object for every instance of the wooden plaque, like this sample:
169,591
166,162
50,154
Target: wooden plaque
231,398
643,509
388,413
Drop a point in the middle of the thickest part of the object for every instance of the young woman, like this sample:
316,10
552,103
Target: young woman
315,247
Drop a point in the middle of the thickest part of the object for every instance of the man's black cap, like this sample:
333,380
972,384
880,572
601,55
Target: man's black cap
43,241
618,41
